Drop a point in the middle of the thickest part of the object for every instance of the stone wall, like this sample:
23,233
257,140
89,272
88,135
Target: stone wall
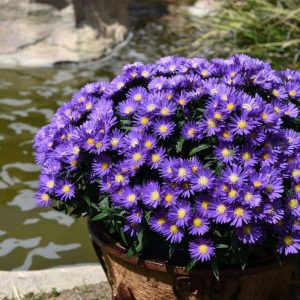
44,32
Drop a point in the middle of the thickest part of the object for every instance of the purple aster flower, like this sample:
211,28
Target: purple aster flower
43,198
152,194
65,190
190,130
181,171
220,212
274,189
135,216
158,221
156,157
198,225
173,233
166,168
234,175
136,157
240,216
242,125
47,182
201,249
247,156
293,90
142,121
294,206
116,139
129,197
249,234
202,180
137,94
180,213
131,229
101,165
127,108
291,111
169,196
225,153
288,244
163,128
166,108
251,197
203,202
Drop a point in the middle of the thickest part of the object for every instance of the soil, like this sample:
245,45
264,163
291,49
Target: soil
99,291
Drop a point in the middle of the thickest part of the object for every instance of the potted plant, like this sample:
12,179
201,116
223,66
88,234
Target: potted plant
189,173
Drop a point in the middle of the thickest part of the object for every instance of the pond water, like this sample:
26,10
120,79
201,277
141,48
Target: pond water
33,238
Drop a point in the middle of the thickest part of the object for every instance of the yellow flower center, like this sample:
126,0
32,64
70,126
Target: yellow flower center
66,188
168,198
137,156
203,249
224,97
277,109
161,221
181,101
233,177
241,124
74,162
164,111
119,178
120,85
275,93
297,187
226,135
221,208
217,115
151,107
296,173
292,93
181,172
145,73
239,212
50,184
144,120
246,229
293,203
155,196
288,240
104,166
128,110
137,97
191,132
248,197
197,222
264,116
247,106
204,73
226,152
204,205
211,123
45,197
246,156
194,169
181,213
88,106
232,74
230,106
148,144
155,157
163,128
172,68
76,150
203,180
114,142
232,193
134,142
265,156
131,197
174,229
133,74
90,141
99,145
257,184
269,188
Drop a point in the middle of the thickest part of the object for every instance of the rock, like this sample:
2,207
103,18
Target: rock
204,7
45,32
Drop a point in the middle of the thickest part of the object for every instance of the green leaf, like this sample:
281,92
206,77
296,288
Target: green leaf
215,268
217,233
171,250
221,246
179,144
100,216
87,200
199,148
191,265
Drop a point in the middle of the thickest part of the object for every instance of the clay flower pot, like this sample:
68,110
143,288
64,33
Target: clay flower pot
133,278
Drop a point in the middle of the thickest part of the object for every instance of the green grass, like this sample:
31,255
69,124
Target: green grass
268,29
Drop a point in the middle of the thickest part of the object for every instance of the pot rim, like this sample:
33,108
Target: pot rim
107,244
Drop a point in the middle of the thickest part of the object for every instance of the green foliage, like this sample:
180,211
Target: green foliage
267,29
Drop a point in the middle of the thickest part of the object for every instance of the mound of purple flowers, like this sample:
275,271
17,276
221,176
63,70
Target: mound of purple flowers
185,148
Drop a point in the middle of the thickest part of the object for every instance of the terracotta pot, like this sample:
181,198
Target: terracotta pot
135,278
